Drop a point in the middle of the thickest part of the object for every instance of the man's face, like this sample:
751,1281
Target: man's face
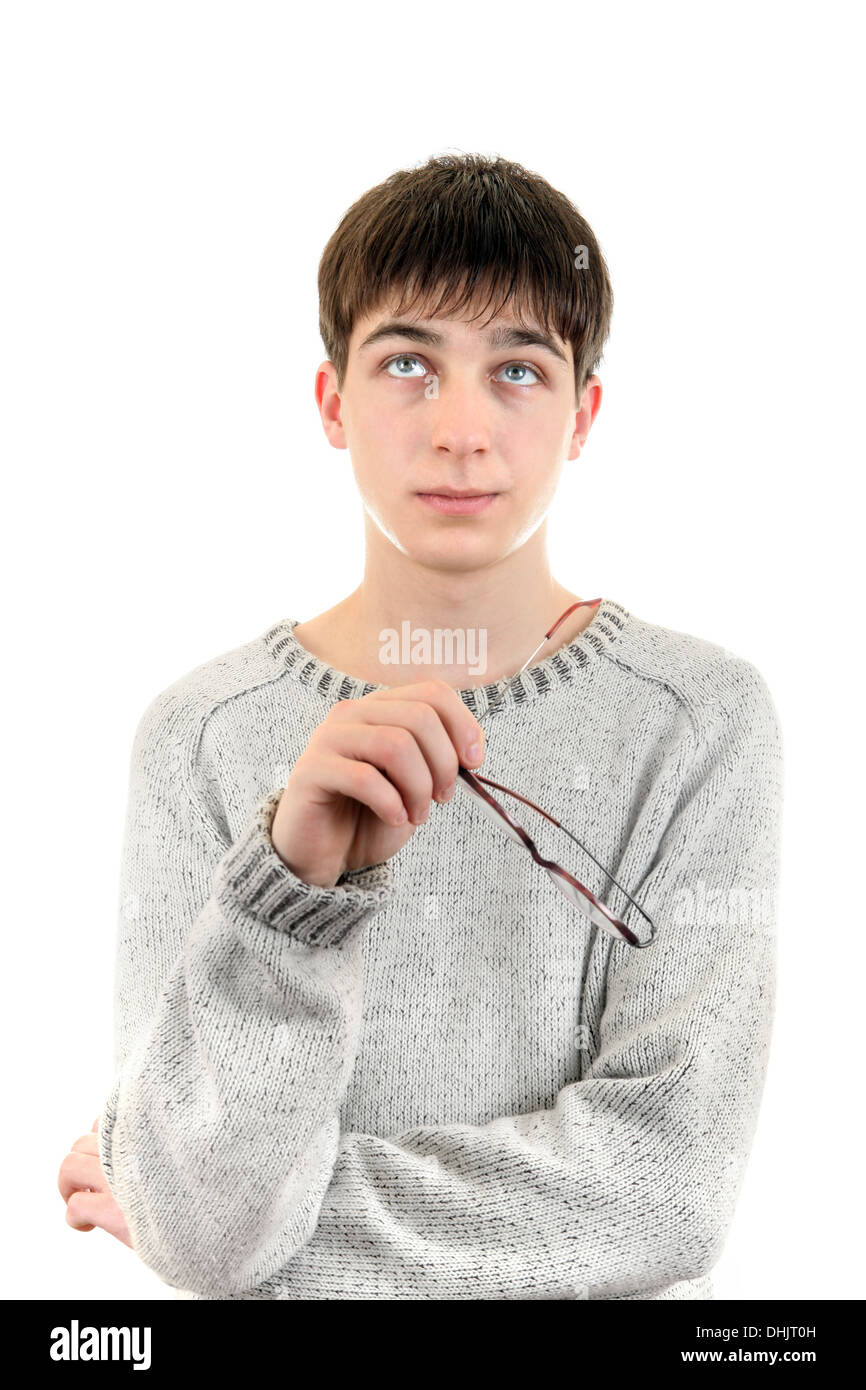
440,403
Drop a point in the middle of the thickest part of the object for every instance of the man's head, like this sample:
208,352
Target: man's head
463,307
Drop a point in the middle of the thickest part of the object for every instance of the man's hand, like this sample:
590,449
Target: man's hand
84,1190
367,776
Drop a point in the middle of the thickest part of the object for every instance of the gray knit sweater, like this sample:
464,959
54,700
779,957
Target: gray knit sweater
437,1079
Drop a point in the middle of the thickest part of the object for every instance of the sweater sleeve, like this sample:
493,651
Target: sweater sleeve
627,1183
238,990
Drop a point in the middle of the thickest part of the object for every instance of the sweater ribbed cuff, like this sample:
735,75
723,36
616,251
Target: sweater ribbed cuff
252,880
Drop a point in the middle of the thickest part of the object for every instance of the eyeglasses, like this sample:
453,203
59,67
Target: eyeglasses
577,893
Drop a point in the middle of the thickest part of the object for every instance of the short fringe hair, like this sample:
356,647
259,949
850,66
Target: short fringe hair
465,225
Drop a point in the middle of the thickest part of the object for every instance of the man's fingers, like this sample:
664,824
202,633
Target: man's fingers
462,726
86,1144
80,1171
77,1225
422,720
85,1210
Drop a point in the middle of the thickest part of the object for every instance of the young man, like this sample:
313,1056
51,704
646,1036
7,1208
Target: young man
367,1048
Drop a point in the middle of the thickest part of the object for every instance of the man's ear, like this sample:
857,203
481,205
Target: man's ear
590,404
329,401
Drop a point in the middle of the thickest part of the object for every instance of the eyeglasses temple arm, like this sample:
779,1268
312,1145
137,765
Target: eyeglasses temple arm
561,619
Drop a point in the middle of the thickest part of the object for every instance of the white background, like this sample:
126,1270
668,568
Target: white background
170,175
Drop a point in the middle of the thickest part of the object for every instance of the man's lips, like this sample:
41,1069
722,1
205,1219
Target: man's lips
450,505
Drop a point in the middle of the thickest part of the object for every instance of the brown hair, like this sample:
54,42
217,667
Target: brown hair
472,223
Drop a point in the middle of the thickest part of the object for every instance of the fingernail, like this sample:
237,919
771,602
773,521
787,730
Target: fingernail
473,752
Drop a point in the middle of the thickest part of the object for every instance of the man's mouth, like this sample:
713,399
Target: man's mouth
453,503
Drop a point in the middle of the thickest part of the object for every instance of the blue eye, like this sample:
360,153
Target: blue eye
521,367
412,360
405,357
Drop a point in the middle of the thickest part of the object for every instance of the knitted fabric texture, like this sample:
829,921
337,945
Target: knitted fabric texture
438,1079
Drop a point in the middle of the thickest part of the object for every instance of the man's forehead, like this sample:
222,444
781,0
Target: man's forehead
472,315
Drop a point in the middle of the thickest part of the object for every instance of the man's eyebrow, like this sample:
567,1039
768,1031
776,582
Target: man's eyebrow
503,336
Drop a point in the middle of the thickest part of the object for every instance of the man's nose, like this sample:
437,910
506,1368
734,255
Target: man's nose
459,417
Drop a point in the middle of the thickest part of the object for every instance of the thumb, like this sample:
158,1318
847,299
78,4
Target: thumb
95,1124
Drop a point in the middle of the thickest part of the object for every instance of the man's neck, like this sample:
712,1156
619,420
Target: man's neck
464,629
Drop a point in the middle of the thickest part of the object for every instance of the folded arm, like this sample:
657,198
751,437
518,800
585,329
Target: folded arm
221,1140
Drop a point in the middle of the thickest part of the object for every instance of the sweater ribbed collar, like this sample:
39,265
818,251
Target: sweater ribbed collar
560,668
